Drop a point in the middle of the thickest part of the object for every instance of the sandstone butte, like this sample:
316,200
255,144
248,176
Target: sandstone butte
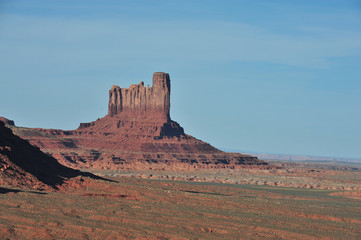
137,133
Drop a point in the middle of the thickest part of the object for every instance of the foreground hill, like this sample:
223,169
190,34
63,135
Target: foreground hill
137,133
24,165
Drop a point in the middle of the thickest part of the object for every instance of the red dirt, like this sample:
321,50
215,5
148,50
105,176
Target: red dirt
144,209
349,194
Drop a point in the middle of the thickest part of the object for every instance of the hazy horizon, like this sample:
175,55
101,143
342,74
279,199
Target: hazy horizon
272,77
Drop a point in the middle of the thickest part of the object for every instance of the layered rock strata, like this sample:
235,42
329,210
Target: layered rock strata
137,133
24,165
139,100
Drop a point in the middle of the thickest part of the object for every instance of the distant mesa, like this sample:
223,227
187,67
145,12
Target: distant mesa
137,133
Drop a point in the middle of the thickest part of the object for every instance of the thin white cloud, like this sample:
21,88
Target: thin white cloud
70,41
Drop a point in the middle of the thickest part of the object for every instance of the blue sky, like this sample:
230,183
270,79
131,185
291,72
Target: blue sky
259,76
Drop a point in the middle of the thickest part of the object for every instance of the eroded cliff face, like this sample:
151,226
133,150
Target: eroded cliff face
24,165
139,100
139,111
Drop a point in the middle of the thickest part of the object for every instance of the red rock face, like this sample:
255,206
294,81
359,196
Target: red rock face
137,133
24,165
139,111
138,100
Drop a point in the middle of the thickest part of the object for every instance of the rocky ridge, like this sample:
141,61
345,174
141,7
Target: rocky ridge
136,133
7,121
24,165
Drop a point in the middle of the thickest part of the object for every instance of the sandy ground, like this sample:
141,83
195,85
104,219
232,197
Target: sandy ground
332,176
136,208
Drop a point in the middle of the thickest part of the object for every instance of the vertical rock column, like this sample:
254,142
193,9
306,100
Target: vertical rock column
161,93
138,100
115,101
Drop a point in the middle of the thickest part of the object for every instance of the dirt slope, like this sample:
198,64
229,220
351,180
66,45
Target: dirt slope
24,165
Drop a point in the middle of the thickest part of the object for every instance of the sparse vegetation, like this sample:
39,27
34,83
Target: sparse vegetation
162,209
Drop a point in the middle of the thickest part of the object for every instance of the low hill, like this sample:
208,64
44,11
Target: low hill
24,165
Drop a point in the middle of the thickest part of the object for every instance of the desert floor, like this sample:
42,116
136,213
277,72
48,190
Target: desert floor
300,201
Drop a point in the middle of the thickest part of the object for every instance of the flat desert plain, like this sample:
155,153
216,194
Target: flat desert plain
293,201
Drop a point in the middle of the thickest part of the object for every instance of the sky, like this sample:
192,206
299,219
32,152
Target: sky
254,76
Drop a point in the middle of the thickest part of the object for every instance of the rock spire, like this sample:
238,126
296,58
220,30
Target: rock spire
138,100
